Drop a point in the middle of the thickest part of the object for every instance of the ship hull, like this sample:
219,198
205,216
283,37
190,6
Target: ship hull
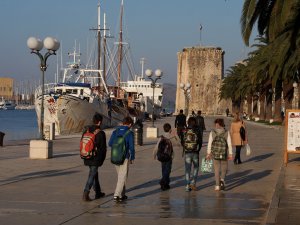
71,114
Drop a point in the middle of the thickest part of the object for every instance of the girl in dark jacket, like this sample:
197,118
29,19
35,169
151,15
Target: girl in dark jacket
96,161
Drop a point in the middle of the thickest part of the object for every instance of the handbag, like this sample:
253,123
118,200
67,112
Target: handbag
206,165
248,149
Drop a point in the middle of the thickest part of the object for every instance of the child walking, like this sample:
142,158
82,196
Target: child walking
163,151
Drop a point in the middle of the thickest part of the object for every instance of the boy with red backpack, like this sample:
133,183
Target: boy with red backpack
164,153
93,152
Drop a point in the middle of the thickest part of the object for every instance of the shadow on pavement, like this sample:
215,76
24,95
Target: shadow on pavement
238,179
259,158
35,175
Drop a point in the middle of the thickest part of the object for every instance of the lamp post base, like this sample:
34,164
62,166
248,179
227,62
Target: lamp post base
40,149
151,132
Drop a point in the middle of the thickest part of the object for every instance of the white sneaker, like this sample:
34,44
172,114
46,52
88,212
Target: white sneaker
217,188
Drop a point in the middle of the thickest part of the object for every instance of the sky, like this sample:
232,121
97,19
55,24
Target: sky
156,30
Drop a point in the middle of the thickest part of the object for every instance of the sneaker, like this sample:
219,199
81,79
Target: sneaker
222,185
99,195
193,187
188,188
217,188
117,199
124,197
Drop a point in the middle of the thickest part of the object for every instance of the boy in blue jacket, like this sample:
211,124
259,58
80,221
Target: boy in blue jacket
122,170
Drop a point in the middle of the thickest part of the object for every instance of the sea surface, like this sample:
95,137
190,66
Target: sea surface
19,124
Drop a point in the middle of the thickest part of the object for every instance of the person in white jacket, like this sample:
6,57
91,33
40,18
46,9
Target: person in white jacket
166,166
220,164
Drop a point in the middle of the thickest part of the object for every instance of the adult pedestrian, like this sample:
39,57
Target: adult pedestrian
200,123
219,149
192,142
180,123
237,141
167,141
95,162
122,170
227,112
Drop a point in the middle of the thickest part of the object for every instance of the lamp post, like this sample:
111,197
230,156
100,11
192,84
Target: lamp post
158,75
186,90
36,45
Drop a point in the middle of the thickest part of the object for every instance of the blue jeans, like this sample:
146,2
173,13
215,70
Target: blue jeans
191,158
165,171
93,180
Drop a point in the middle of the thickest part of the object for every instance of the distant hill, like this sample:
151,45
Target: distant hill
169,97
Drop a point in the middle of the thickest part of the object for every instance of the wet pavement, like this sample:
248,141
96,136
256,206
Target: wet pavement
258,191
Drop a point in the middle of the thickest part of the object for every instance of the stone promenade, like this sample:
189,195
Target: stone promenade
48,192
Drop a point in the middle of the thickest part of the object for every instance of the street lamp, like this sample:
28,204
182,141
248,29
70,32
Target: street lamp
36,45
186,90
158,75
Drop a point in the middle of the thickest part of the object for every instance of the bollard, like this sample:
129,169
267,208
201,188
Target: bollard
1,138
138,133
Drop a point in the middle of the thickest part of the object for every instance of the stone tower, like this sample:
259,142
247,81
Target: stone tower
203,68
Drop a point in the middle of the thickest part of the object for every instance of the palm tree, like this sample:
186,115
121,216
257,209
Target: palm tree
278,21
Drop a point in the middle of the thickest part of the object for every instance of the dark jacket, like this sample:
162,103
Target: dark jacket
129,139
100,142
180,120
200,122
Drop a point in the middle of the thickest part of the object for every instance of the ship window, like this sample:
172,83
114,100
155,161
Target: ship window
68,91
75,91
58,91
81,91
160,98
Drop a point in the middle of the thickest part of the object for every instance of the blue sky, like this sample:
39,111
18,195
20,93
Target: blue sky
156,29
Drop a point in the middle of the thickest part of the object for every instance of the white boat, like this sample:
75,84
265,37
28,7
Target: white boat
7,105
140,95
71,103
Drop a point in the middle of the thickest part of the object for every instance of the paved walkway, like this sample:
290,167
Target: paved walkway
259,191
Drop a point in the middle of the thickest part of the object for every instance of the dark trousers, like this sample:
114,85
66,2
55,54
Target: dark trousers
166,168
180,133
93,180
237,158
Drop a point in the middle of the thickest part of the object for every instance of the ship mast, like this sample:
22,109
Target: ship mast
99,44
104,48
120,52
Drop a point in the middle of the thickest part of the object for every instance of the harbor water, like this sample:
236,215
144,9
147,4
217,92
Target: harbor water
19,124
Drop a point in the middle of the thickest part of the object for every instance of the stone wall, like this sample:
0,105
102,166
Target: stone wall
203,68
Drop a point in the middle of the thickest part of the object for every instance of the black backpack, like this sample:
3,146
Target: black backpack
165,150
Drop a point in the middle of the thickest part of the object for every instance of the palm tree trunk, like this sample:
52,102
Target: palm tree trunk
288,94
249,104
255,106
269,98
262,100
278,101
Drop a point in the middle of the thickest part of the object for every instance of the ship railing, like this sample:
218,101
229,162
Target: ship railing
48,88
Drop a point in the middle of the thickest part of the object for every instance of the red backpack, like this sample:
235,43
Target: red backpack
87,144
